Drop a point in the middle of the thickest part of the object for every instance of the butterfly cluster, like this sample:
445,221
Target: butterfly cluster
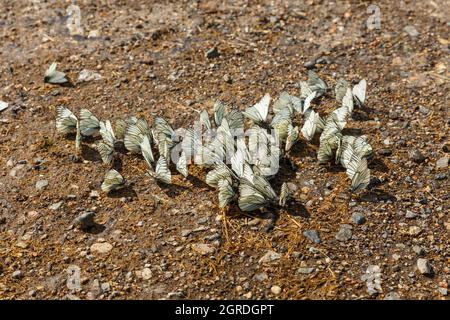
241,159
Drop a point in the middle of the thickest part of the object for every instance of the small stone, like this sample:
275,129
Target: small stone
410,214
185,233
312,235
385,152
41,184
411,31
248,295
227,79
423,110
32,214
424,267
103,247
146,273
3,105
88,75
32,293
106,287
85,220
442,163
260,276
414,231
344,234
358,218
203,248
392,296
94,194
93,34
310,64
276,290
17,274
305,270
440,176
56,206
212,53
417,156
418,250
269,257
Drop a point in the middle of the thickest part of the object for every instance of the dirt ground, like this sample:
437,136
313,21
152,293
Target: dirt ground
149,239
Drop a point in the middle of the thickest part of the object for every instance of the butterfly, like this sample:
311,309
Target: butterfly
235,120
286,101
122,125
113,181
339,116
316,84
258,112
340,89
106,152
182,165
359,92
204,119
146,150
310,127
89,124
66,121
307,102
219,172
347,101
134,135
220,111
287,189
107,133
226,192
292,137
162,172
305,90
54,76
255,194
358,171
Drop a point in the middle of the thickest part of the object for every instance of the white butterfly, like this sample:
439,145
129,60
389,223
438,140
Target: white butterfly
113,181
204,119
286,101
359,92
162,126
339,116
122,125
347,101
287,189
106,152
307,102
107,133
255,194
226,192
235,120
258,112
66,121
89,124
162,172
219,172
316,84
305,90
182,165
54,76
310,126
220,111
292,137
358,171
146,150
341,89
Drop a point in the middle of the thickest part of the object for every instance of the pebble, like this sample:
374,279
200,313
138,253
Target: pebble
276,290
94,194
88,75
424,267
440,176
312,235
305,270
269,257
310,64
212,53
385,152
227,79
411,31
260,276
414,231
344,234
358,218
41,184
146,273
410,214
103,247
392,296
418,250
442,163
443,291
17,274
85,220
372,277
203,248
423,110
106,287
417,156
56,206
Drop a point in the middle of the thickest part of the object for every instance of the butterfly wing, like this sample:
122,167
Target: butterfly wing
89,124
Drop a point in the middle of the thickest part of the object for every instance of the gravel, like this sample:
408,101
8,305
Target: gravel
203,248
269,256
103,247
411,31
344,234
312,235
358,218
305,270
424,267
85,220
417,156
212,53
276,290
41,184
442,163
17,274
